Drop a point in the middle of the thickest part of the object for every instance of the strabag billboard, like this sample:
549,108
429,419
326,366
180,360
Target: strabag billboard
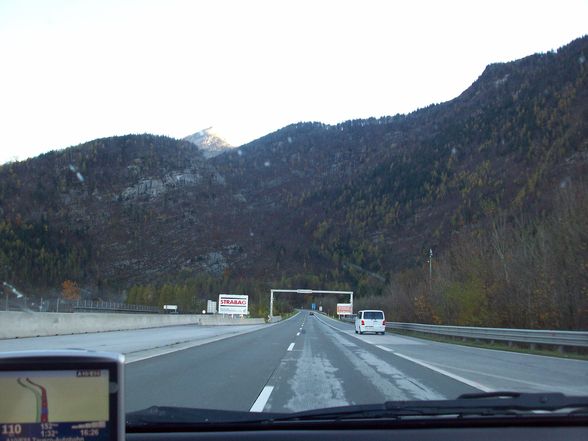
233,304
344,309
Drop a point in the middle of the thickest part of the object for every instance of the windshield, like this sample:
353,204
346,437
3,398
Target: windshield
373,315
216,189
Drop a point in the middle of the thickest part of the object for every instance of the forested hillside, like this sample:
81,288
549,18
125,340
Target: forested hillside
493,182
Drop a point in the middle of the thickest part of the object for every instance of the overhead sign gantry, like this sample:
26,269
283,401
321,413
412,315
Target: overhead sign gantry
307,291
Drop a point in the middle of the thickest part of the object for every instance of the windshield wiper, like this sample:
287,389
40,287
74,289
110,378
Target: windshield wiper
483,404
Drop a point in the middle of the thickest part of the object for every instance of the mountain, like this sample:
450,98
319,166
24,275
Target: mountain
356,205
209,143
110,210
388,189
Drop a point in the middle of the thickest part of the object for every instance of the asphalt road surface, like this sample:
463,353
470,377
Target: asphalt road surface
309,362
137,344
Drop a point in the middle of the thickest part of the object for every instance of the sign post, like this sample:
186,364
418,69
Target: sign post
308,291
210,307
171,308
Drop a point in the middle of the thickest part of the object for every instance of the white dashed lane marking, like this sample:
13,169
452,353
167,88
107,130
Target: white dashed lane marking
262,399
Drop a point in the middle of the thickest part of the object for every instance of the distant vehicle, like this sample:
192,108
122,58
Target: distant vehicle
311,313
370,321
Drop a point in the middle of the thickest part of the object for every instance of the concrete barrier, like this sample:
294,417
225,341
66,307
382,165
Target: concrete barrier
38,324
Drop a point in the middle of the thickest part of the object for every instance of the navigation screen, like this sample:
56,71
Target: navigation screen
61,405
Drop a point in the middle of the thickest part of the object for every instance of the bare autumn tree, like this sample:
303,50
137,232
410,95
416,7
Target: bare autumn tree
566,257
70,290
521,272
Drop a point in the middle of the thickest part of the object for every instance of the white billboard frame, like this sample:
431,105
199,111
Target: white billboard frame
238,305
348,306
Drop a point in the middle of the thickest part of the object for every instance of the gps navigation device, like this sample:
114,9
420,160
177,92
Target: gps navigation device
68,395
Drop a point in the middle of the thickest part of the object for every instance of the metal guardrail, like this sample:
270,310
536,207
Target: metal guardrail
529,336
68,306
20,302
95,306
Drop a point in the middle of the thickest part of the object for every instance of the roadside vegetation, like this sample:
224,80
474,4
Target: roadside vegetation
512,271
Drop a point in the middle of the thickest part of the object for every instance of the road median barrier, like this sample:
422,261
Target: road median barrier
39,324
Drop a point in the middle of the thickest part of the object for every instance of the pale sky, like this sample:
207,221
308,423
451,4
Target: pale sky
73,71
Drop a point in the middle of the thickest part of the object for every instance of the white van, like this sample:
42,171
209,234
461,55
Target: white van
372,320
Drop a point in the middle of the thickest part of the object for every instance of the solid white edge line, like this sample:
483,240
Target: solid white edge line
291,346
334,327
130,359
262,399
471,383
282,321
158,354
180,346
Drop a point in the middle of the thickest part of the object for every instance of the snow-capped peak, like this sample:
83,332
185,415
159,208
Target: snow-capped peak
209,142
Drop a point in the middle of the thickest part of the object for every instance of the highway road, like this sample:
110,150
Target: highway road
137,344
313,361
